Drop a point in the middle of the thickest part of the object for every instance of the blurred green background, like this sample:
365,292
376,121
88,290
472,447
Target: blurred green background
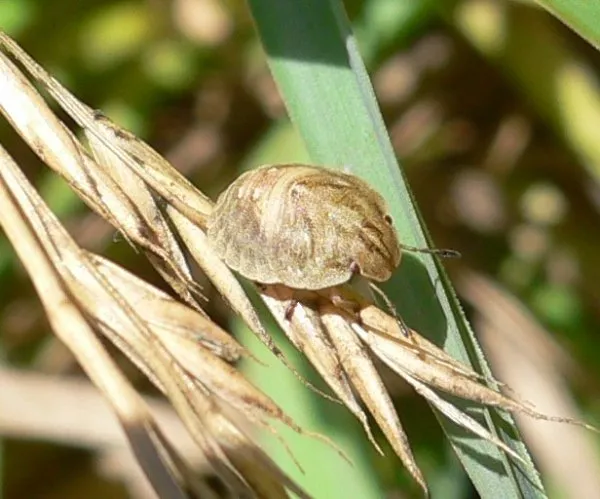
493,108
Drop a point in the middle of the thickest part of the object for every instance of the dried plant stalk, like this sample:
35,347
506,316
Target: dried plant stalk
337,328
73,329
168,352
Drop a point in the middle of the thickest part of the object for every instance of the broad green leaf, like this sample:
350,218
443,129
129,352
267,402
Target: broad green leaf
582,16
317,65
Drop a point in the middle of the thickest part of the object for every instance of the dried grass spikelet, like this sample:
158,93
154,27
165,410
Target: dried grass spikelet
182,353
302,232
111,189
340,344
124,185
335,327
178,348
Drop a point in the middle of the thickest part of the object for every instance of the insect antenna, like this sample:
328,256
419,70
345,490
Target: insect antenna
442,253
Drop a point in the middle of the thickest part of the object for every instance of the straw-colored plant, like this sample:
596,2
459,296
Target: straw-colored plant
186,355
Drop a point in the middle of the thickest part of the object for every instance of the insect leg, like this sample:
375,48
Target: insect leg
403,327
289,310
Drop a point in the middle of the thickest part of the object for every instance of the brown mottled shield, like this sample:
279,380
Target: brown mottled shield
306,227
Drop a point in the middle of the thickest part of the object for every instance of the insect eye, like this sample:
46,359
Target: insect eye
388,219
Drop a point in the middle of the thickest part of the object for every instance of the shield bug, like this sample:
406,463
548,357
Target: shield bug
303,226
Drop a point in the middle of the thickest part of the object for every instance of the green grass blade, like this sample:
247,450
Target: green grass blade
582,16
322,466
316,63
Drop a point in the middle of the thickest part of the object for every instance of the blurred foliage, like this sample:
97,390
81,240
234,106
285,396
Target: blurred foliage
493,108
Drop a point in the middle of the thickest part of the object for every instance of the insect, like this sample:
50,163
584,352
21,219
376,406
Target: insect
306,227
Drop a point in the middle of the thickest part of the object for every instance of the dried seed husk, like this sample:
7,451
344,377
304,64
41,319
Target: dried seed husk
307,333
364,376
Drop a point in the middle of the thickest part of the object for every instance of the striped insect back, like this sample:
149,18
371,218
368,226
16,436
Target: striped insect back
303,226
